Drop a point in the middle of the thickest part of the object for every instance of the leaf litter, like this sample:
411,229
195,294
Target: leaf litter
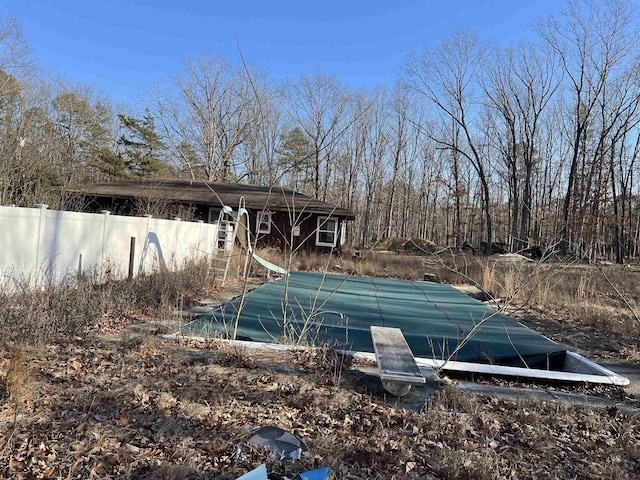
137,406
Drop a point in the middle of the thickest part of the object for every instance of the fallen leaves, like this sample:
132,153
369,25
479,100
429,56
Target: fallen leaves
182,409
73,367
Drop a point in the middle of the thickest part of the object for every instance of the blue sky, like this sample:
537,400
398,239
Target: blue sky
123,47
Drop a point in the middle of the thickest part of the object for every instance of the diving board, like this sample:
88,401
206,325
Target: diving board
398,368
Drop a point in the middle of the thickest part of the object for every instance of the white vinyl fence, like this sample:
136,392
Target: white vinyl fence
41,244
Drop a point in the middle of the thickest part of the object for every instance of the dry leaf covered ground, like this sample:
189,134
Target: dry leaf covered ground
121,402
124,403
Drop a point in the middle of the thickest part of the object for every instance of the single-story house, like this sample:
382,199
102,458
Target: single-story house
278,216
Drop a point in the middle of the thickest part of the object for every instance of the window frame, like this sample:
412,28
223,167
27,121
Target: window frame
319,223
260,218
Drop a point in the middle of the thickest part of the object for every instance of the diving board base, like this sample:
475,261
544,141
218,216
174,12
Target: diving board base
397,366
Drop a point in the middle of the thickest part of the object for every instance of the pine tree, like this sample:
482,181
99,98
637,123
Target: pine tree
142,147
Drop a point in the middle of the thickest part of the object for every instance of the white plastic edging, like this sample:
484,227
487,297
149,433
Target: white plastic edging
599,375
603,375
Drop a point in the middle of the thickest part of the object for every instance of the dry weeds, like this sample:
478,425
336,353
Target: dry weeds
119,402
156,409
34,313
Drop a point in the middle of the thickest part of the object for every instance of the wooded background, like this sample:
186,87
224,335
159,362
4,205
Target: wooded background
534,143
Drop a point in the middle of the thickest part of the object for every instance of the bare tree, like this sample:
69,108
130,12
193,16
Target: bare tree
353,146
206,116
446,77
399,127
15,61
317,105
377,146
413,157
260,151
15,54
519,83
450,176
620,117
591,40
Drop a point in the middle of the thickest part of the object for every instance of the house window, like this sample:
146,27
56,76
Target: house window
327,231
263,222
214,214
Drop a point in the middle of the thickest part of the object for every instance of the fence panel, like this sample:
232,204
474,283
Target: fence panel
18,241
44,244
70,243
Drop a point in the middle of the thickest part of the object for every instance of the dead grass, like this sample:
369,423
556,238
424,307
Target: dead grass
35,313
118,402
371,264
181,410
575,293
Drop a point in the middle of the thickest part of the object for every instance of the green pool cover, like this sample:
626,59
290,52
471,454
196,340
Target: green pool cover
437,320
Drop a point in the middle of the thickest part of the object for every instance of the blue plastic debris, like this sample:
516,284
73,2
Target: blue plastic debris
285,446
259,473
317,474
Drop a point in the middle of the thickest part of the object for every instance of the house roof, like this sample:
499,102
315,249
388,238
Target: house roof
214,194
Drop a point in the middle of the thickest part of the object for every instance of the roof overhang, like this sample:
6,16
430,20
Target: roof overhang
213,194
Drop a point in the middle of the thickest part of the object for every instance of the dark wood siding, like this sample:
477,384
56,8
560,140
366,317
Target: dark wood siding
281,236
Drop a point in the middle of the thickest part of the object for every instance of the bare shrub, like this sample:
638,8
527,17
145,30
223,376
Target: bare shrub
488,277
34,314
585,289
158,292
16,382
38,314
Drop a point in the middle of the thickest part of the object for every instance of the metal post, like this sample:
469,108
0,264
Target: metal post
132,254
